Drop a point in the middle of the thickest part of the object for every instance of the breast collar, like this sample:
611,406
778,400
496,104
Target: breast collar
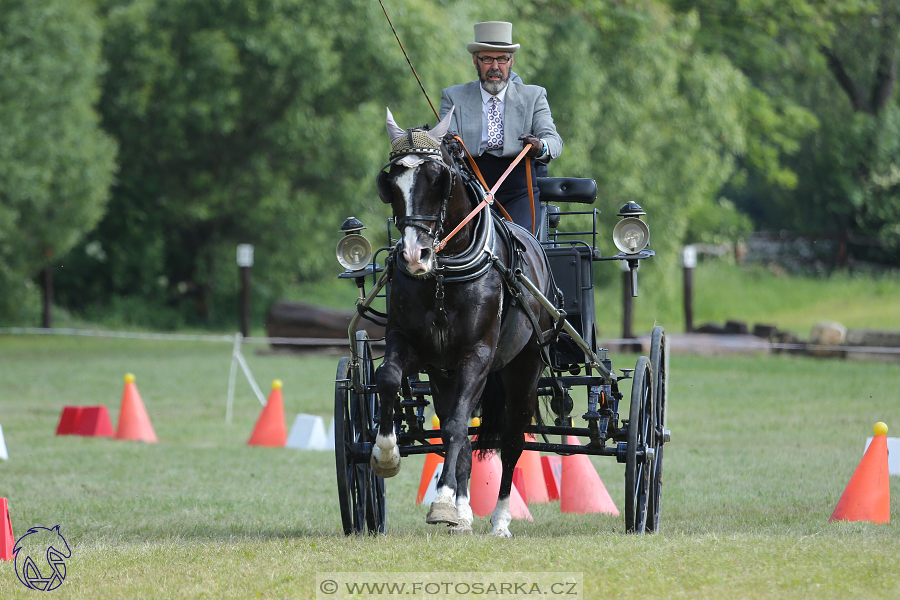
476,260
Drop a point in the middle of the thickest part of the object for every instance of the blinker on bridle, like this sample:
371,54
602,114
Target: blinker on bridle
418,142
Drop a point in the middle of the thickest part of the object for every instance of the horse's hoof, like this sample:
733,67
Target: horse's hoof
384,473
501,532
384,470
460,530
442,512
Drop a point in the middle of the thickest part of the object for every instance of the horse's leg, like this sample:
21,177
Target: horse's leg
385,460
520,379
463,471
454,400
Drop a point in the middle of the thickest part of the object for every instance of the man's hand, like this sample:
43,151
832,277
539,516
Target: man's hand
537,146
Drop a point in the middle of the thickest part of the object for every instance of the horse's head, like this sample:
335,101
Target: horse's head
418,186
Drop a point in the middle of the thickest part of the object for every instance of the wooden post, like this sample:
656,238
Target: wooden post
688,262
245,261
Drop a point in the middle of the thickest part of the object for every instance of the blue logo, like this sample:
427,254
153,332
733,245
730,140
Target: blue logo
50,549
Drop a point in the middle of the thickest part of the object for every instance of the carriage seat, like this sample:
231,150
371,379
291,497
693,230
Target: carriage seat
567,189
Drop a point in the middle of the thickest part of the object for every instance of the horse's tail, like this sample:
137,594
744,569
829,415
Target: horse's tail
493,412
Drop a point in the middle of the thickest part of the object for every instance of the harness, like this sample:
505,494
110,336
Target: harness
489,234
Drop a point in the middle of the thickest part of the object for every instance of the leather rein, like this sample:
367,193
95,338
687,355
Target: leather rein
489,196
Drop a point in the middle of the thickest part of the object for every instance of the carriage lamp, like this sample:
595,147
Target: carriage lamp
353,250
631,234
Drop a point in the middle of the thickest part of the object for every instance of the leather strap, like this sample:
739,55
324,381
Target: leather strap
489,197
530,195
471,160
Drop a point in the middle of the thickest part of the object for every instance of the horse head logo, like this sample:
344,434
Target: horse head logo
41,543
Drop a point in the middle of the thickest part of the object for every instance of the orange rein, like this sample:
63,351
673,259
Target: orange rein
488,198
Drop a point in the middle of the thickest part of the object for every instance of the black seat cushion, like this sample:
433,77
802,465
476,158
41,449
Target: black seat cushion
567,189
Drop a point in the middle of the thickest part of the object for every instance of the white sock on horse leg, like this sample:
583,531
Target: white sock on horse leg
464,511
501,518
445,495
385,454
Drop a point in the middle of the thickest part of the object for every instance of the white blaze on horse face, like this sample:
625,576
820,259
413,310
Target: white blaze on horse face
412,249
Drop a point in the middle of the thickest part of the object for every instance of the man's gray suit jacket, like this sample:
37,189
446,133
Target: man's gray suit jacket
526,111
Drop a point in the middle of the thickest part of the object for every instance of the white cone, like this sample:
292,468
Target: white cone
431,492
3,453
329,436
893,445
307,433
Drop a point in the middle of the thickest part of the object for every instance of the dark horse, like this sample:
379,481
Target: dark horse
459,315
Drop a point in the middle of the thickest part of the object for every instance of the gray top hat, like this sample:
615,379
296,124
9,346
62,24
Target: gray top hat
492,36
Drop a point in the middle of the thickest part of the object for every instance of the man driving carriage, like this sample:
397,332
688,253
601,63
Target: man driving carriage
496,112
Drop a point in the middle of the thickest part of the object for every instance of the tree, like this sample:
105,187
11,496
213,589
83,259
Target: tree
831,67
240,122
56,165
644,112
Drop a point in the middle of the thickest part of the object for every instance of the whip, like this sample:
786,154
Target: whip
408,61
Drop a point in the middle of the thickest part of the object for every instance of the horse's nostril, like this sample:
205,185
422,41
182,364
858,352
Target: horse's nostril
425,254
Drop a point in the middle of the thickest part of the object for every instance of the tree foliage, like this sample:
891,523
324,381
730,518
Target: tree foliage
241,122
831,64
56,164
262,122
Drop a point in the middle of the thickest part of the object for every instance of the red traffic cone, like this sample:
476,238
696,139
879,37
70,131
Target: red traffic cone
535,488
134,422
68,420
552,466
431,462
270,429
7,539
868,495
94,422
582,490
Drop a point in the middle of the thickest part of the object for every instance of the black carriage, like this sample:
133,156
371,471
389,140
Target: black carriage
576,361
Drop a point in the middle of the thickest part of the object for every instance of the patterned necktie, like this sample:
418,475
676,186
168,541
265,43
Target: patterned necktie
495,126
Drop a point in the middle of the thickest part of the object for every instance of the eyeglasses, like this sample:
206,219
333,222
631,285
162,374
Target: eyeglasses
486,60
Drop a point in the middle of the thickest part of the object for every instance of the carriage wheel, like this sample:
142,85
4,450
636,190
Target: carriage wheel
360,491
640,436
659,363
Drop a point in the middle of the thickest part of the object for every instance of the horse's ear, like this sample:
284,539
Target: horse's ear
394,130
384,187
438,133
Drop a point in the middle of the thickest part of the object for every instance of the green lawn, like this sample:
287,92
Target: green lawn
762,449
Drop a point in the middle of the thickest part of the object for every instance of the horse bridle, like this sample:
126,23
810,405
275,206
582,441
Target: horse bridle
436,229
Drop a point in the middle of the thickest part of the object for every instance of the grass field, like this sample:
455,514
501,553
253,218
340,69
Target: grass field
762,448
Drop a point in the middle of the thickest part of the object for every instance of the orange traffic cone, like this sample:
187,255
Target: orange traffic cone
270,429
134,422
431,462
484,488
7,539
582,490
868,495
533,475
